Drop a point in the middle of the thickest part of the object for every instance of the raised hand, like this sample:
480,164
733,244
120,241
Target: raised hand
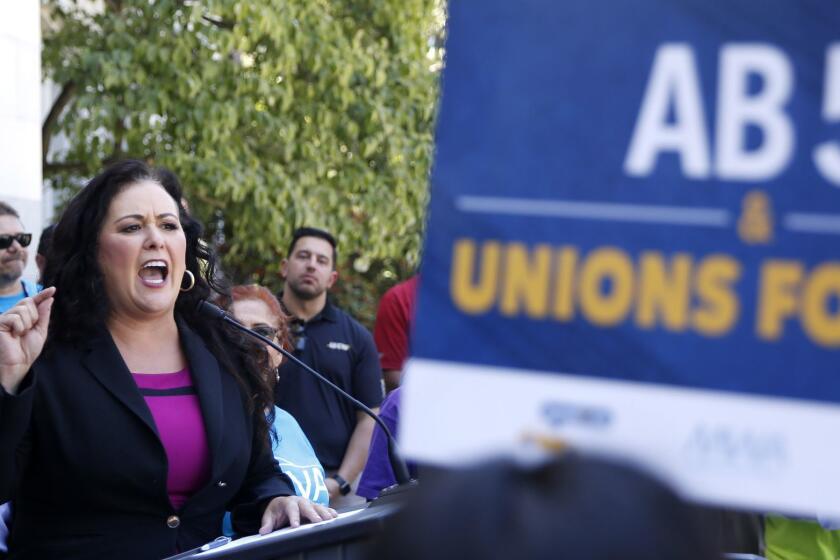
23,331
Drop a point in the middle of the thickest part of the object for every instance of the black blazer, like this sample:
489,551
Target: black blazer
82,460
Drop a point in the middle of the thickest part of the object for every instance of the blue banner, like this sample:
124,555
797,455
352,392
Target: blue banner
645,191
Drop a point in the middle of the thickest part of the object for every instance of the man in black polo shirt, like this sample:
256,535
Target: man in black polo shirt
334,344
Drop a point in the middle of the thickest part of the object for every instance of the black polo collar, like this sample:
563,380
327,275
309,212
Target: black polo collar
328,313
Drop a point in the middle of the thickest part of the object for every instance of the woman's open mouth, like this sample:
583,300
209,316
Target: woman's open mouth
154,273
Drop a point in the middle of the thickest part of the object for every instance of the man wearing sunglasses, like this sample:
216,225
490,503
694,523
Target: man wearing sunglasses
13,255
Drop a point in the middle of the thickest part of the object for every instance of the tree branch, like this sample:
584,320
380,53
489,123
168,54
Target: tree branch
119,134
58,106
218,22
53,168
210,201
115,5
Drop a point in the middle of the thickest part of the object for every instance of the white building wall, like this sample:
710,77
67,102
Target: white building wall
20,115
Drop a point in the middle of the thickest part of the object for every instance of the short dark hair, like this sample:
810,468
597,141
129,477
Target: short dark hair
560,508
314,232
6,210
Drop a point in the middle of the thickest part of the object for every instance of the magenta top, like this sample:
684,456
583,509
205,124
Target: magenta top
174,404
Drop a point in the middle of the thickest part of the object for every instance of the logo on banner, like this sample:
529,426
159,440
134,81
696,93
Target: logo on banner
562,414
735,448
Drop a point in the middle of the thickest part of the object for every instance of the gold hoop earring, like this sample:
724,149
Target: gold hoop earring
192,282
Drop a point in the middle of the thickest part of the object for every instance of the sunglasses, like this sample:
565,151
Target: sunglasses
298,335
23,238
267,332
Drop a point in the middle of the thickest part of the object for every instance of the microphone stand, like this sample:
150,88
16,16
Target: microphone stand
397,463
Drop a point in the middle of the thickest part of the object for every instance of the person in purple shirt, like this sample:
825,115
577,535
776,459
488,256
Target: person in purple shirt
378,473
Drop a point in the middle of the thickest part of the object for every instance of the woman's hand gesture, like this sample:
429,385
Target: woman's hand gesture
23,331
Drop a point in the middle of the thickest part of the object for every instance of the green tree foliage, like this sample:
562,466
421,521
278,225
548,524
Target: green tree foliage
273,113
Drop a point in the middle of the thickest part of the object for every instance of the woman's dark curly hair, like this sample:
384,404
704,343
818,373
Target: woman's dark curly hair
80,308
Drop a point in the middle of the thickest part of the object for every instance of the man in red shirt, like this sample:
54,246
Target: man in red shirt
392,328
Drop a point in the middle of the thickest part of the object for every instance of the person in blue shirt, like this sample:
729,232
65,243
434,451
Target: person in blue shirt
256,307
13,256
297,458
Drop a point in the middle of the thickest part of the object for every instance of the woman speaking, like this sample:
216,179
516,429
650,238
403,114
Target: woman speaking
128,425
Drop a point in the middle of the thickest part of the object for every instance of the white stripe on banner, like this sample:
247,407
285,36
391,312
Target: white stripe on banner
762,453
813,223
639,213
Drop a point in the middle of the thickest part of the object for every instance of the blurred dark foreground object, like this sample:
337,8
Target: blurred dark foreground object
571,507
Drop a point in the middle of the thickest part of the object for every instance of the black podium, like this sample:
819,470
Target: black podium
344,538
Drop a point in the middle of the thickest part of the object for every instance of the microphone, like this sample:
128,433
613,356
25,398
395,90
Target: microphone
210,311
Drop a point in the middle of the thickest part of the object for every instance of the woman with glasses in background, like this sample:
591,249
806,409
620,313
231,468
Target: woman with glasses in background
256,308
